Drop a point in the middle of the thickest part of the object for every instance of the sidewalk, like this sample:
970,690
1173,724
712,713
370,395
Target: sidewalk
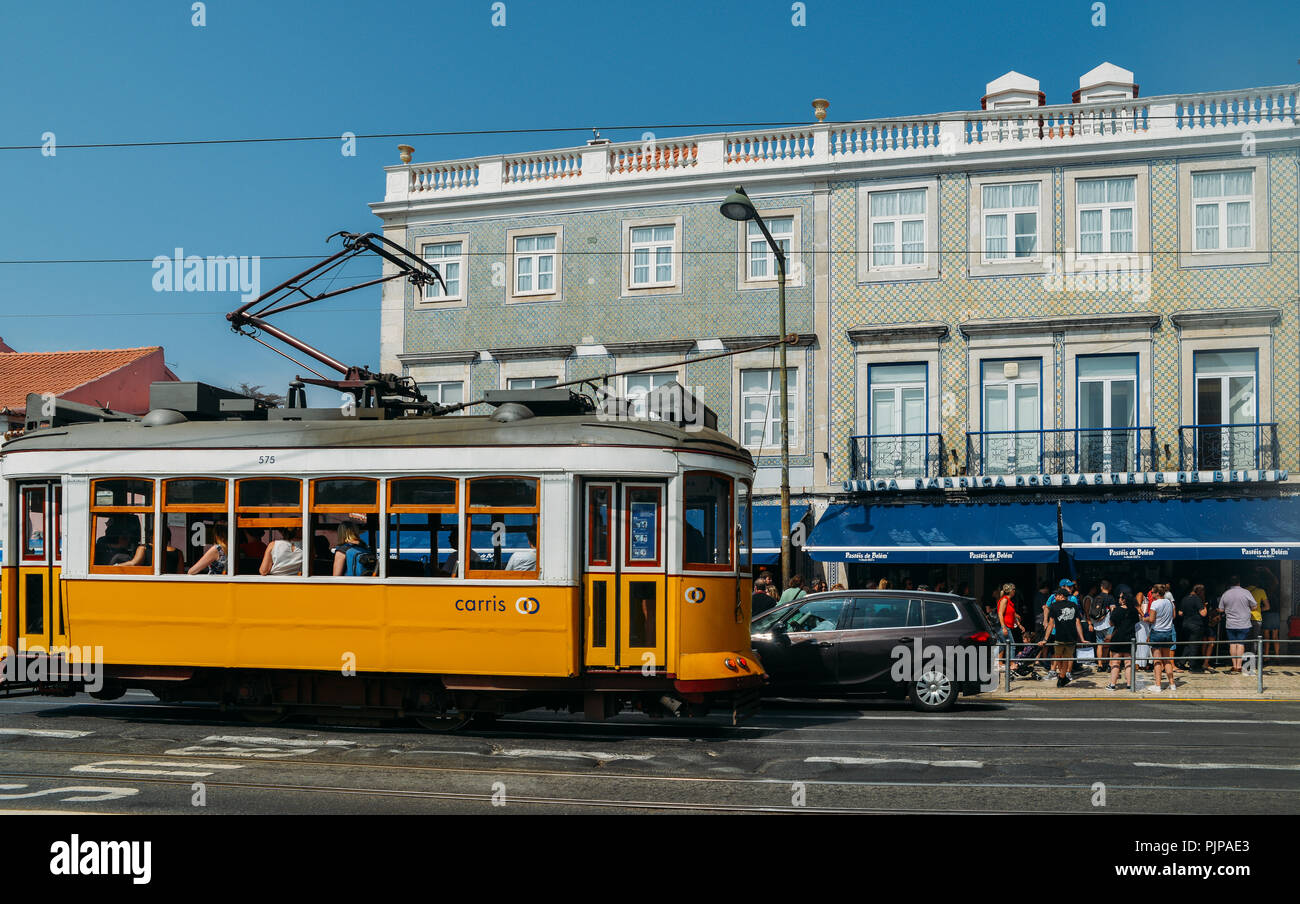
1281,682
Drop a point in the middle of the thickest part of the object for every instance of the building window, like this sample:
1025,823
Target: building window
1223,209
897,419
898,228
761,406
447,258
1010,441
641,385
535,264
1226,409
1010,221
531,382
446,392
1106,215
652,256
1107,438
762,262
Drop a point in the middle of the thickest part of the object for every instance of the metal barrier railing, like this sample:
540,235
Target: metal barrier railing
1253,656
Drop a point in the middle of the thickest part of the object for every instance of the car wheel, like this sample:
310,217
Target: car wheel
934,693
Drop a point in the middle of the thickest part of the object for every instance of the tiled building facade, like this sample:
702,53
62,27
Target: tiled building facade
989,305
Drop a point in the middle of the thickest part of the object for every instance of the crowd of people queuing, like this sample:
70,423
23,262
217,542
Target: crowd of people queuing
1155,629
1158,628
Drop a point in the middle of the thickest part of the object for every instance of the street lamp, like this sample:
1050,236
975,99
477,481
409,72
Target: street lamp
737,206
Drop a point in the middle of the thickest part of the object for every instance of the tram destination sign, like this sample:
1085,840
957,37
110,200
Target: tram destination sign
1049,481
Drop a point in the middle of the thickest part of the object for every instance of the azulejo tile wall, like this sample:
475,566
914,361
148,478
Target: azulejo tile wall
592,309
955,297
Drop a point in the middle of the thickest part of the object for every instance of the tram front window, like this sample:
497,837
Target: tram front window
423,528
708,527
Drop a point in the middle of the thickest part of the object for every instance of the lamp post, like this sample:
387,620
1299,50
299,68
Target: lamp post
737,206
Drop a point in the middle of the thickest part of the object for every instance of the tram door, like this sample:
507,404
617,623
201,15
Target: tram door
41,619
624,574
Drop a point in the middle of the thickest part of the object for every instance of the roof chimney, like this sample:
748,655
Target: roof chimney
1010,91
1106,82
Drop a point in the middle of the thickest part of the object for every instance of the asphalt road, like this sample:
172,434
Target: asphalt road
137,755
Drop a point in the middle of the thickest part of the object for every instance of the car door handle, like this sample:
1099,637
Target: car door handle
825,643
905,639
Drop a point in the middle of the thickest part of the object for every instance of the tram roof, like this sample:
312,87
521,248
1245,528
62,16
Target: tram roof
459,431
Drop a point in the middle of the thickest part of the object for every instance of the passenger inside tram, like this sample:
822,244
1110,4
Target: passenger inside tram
215,557
525,559
284,556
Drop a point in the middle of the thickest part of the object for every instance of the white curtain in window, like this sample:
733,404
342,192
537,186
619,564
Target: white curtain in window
884,204
1207,185
912,202
997,196
913,241
1119,191
1237,183
1238,224
1090,232
1207,226
1024,194
1092,191
882,243
1121,230
995,236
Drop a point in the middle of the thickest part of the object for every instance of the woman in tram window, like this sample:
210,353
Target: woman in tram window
351,556
284,556
214,558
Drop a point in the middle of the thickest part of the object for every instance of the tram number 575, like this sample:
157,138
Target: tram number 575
266,459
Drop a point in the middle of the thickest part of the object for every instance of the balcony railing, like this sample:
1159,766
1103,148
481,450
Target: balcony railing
1220,447
1071,450
828,145
896,455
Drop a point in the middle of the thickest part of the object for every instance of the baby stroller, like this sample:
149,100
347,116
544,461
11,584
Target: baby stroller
1023,664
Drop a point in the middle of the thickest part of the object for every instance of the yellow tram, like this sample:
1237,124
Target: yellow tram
543,555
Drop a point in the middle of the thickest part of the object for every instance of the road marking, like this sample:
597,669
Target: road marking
880,761
257,753
45,732
82,790
280,742
958,718
573,754
1220,766
134,768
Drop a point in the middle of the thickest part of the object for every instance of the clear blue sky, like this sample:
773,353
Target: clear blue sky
91,71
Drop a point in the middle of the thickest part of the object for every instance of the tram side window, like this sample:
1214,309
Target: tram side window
423,528
268,520
744,527
122,522
504,519
345,527
195,525
707,525
34,523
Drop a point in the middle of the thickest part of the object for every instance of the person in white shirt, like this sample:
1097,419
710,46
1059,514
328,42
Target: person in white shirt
284,556
526,559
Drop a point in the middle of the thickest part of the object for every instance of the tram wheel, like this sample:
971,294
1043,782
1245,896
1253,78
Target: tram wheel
264,716
444,723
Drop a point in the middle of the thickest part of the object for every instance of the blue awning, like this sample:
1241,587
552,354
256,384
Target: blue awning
937,534
1186,529
767,531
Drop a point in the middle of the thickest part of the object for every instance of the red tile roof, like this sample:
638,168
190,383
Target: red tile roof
59,372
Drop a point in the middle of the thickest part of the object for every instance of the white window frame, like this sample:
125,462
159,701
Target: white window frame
654,286
979,264
1107,209
1257,252
1009,214
772,418
462,259
533,380
757,248
653,247
1220,203
636,406
434,390
928,268
1140,256
534,295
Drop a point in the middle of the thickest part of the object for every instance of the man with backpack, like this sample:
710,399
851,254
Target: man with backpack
352,558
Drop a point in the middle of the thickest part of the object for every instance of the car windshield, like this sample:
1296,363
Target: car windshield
817,615
765,621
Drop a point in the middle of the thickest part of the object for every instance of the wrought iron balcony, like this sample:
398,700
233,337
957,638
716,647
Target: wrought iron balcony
884,455
1219,447
1070,450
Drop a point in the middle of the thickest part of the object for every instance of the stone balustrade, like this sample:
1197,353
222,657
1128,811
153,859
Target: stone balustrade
801,148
